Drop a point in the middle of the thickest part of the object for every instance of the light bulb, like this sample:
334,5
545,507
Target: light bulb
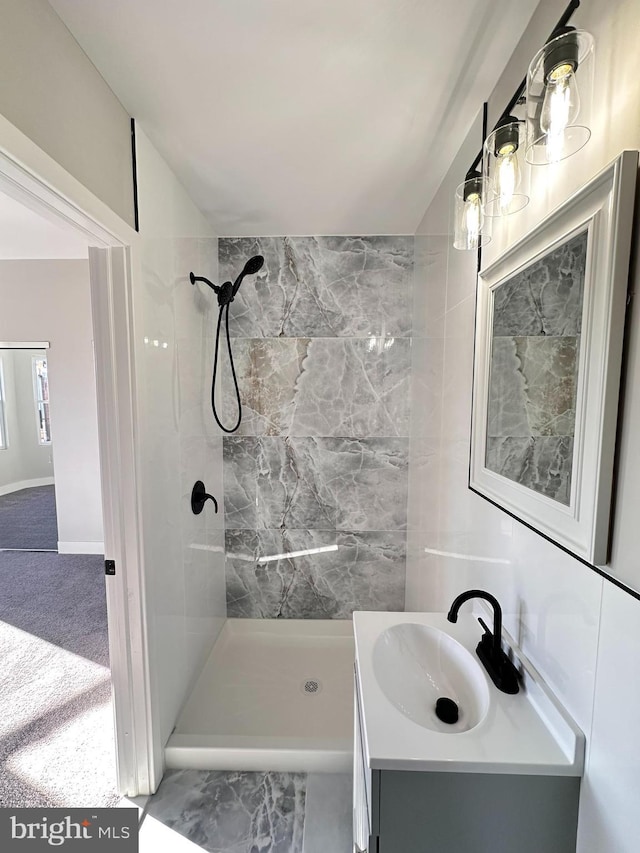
560,108
507,177
473,219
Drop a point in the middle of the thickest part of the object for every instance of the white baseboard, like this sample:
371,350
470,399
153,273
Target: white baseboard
26,484
80,547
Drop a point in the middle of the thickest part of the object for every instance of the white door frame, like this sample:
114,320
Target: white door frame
31,177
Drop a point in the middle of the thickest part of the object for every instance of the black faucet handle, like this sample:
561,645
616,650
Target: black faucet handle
489,641
487,630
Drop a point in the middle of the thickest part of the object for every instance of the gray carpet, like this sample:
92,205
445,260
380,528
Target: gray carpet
56,723
28,519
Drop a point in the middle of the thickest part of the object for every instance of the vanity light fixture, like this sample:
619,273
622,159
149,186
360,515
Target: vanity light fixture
559,92
502,168
472,227
556,125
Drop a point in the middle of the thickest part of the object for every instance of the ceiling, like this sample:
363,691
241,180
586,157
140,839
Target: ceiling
25,235
313,117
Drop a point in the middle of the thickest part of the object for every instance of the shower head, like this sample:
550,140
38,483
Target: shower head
252,266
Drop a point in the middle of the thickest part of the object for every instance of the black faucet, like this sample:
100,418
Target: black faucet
503,673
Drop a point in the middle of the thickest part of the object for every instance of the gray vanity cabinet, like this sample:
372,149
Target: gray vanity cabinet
400,811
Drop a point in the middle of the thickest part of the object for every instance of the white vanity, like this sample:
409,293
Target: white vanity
504,777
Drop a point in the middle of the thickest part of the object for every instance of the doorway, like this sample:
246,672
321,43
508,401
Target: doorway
77,212
56,717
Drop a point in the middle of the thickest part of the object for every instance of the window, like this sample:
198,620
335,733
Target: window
3,423
41,385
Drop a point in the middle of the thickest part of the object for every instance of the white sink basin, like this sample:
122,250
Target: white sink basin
405,662
415,665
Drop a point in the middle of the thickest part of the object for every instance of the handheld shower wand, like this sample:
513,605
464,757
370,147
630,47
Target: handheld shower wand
226,293
252,266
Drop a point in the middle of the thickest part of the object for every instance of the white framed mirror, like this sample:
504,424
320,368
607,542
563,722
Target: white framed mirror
549,336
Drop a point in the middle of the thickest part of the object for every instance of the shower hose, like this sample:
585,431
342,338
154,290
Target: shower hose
224,309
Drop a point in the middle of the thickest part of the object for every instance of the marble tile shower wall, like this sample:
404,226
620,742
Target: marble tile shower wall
321,341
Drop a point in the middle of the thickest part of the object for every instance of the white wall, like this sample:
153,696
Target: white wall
49,301
24,461
580,630
179,444
52,92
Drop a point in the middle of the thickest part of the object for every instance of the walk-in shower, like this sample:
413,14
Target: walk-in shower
312,491
275,694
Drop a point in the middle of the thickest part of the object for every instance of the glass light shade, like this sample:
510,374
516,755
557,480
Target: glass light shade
559,95
503,165
472,227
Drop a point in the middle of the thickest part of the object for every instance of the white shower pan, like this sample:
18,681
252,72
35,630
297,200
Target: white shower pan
275,694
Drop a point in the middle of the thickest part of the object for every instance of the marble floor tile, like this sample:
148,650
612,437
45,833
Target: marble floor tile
233,812
193,811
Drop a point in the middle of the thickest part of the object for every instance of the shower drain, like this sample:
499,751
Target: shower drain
311,685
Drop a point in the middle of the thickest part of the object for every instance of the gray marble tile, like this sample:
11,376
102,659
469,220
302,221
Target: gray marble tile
546,297
533,386
542,463
321,286
366,571
319,483
240,472
233,812
268,371
368,479
322,387
356,388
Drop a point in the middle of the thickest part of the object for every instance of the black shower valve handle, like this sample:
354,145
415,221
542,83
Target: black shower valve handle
199,497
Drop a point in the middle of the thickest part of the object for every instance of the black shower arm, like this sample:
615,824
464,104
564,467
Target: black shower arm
225,291
193,278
